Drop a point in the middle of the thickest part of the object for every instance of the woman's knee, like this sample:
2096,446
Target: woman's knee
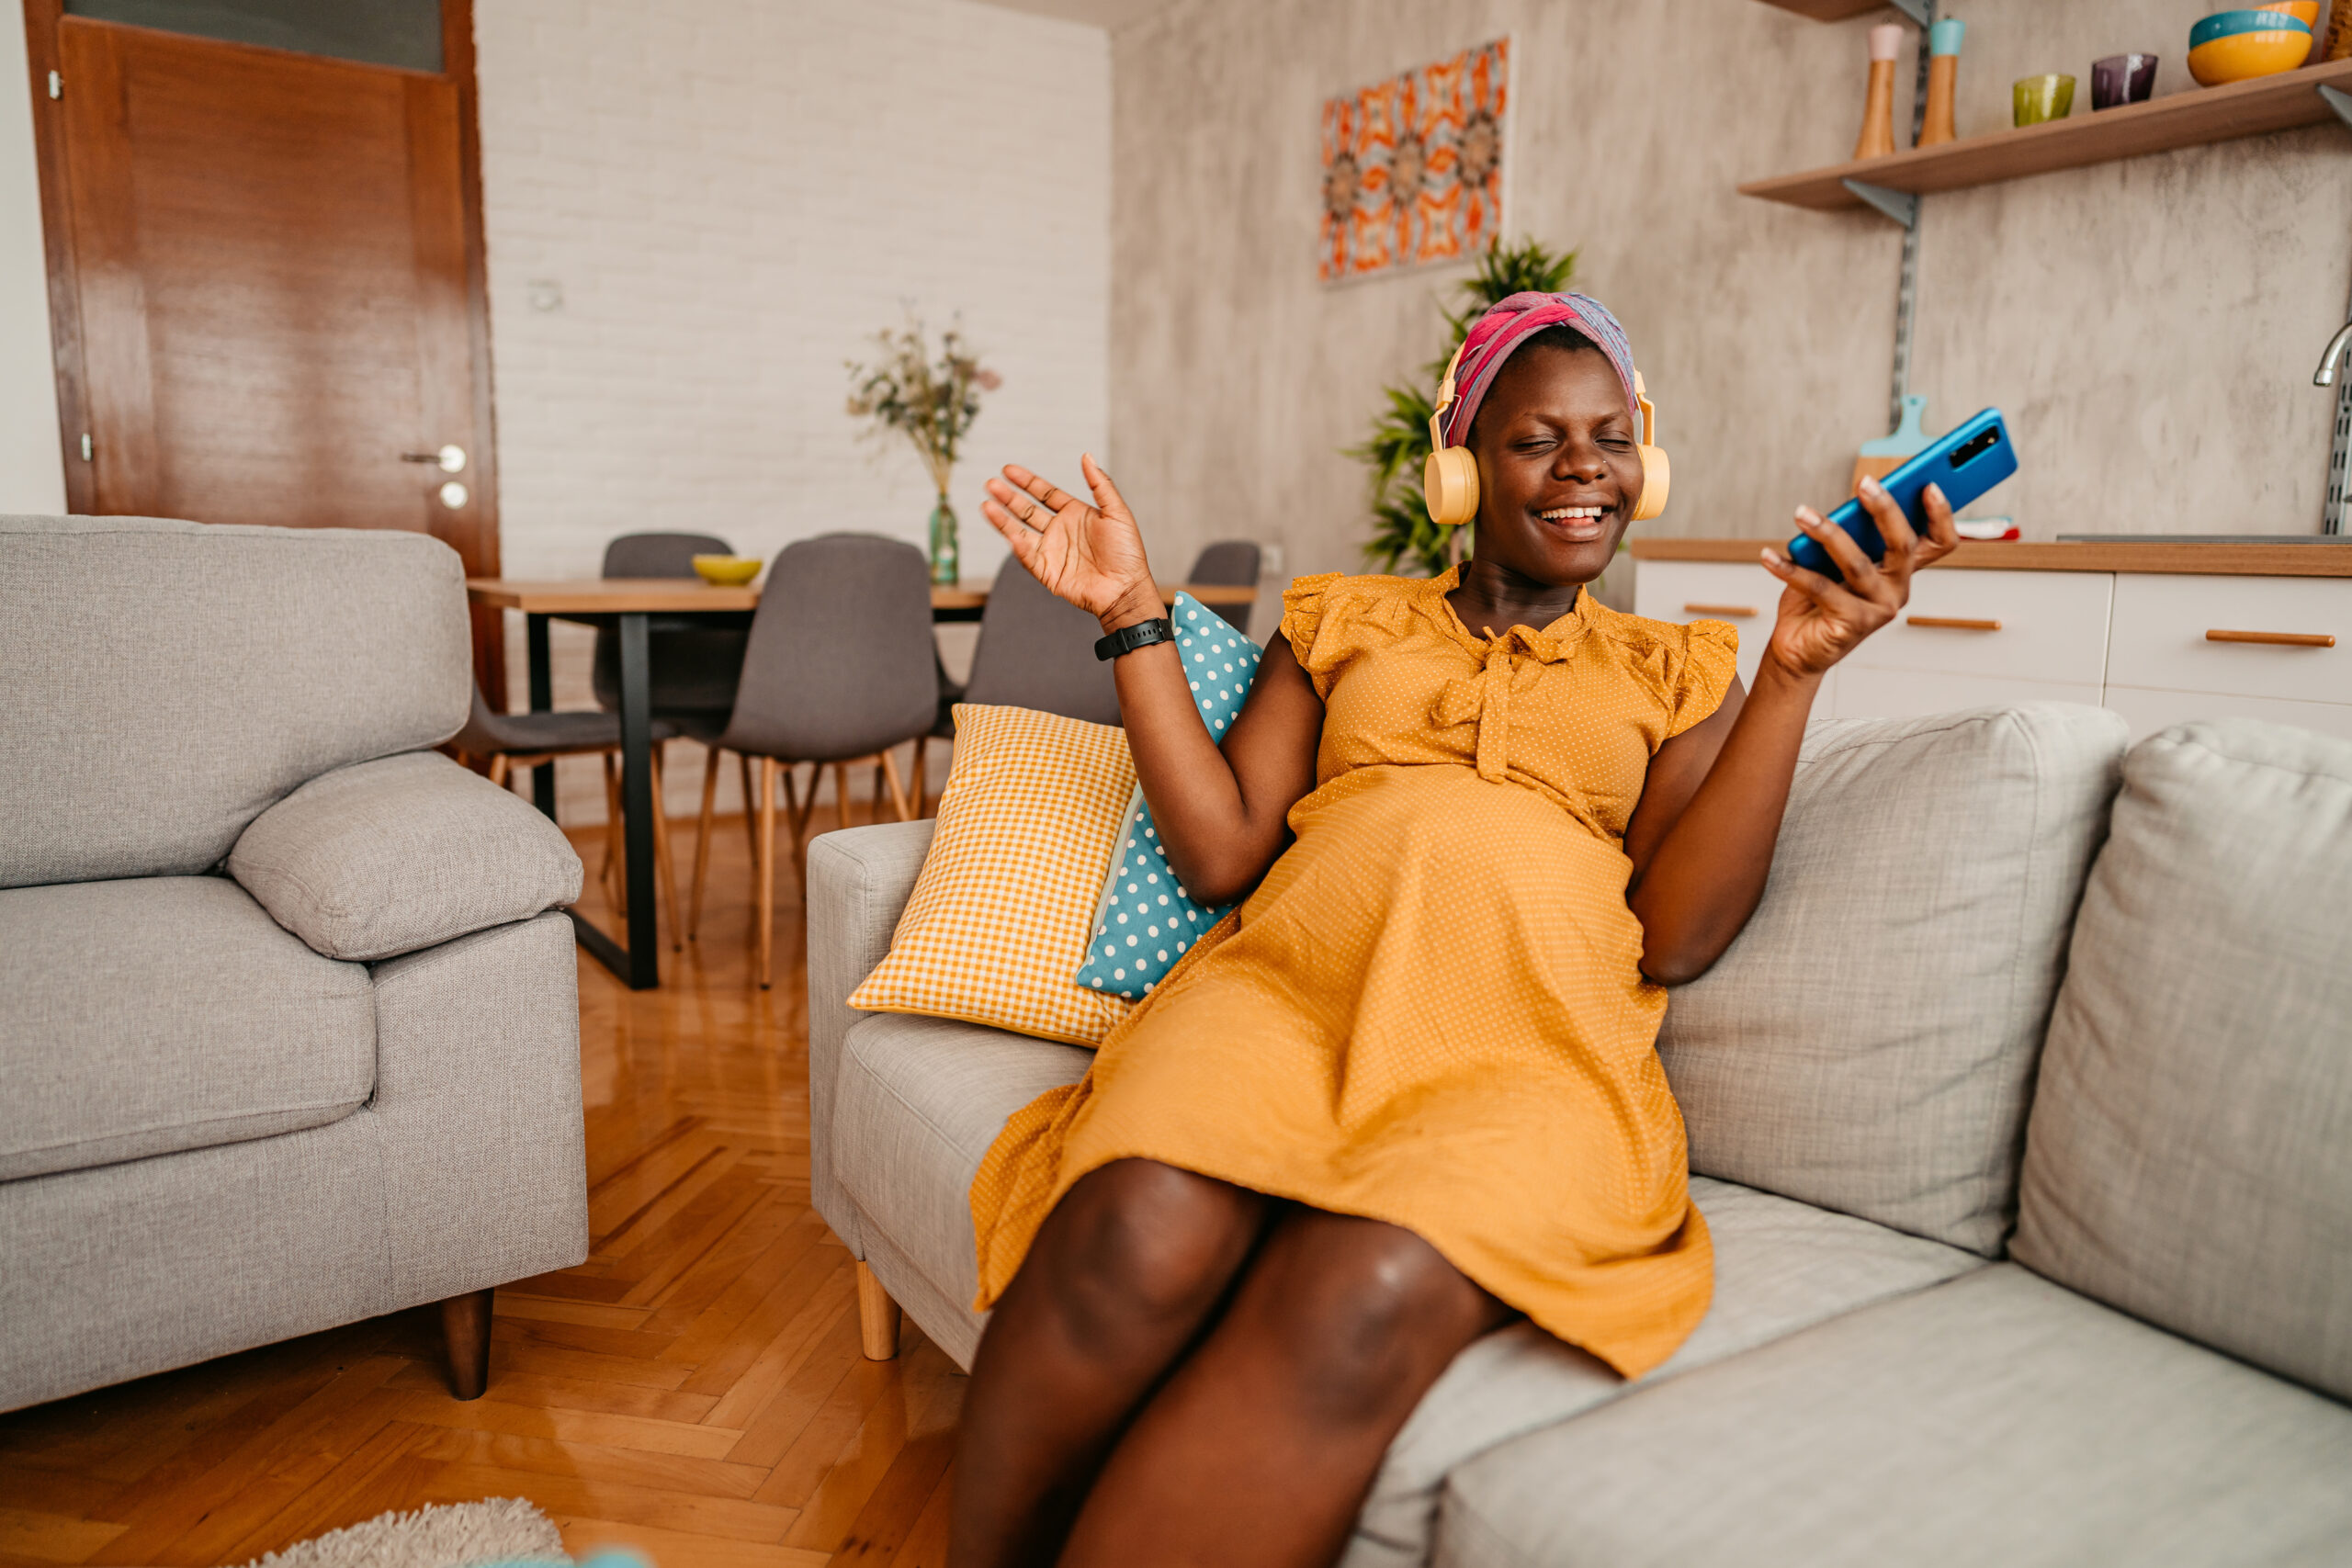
1143,1245
1367,1313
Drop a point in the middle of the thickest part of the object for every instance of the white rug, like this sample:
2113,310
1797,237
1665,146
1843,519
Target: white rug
452,1535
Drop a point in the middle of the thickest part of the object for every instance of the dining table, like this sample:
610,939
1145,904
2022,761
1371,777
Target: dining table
633,607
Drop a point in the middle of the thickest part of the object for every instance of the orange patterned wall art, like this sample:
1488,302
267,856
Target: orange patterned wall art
1413,166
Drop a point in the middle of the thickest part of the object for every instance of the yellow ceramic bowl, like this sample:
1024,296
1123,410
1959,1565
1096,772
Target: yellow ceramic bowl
727,572
2237,46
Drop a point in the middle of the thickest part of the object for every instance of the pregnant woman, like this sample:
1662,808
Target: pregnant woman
1408,1092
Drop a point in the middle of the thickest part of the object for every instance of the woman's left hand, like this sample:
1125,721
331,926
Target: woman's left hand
1822,622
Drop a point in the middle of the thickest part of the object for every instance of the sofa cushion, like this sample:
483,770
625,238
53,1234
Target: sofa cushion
2189,1158
1868,1043
919,1101
1780,1266
403,853
1998,1418
168,681
142,1017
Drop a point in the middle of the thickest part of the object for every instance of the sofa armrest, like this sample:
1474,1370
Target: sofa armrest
401,854
858,882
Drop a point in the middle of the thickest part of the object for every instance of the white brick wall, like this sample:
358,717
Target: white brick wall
732,196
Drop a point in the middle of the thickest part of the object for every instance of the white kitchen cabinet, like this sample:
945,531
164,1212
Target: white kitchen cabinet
2162,642
2119,625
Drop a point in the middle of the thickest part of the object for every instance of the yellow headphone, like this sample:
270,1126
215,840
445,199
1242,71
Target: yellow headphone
1450,478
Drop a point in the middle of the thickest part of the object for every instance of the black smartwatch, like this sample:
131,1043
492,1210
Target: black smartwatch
1143,634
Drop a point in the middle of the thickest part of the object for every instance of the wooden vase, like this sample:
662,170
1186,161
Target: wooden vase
1943,85
1877,111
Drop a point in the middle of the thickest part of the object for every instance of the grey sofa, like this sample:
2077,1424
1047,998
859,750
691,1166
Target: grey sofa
2021,1115
288,1033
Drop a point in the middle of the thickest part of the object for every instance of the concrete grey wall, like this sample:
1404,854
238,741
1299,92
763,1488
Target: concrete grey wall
2150,327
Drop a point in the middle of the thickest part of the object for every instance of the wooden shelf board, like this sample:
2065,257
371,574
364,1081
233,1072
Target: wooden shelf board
1828,10
2190,559
2194,119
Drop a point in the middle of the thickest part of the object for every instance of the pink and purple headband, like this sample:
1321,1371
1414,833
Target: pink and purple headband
1512,322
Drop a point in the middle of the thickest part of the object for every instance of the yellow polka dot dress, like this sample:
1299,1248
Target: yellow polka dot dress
1431,1011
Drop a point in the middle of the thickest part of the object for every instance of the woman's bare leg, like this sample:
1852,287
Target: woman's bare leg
1121,1277
1260,1448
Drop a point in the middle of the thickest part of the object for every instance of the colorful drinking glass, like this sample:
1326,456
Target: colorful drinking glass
2040,99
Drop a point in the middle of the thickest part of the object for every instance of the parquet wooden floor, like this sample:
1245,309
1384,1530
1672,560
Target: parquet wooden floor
695,1389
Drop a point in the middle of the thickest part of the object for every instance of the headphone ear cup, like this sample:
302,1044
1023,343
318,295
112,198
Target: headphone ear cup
1658,479
1450,486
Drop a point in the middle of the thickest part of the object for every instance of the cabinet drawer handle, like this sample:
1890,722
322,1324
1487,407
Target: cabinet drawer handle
2276,639
1736,612
1951,624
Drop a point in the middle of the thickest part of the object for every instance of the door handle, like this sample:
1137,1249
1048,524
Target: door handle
450,459
1729,612
2276,639
1951,624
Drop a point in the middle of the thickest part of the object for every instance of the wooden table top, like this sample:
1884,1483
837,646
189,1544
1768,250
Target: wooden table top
673,595
2316,559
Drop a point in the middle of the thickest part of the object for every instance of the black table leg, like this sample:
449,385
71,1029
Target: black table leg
535,636
638,805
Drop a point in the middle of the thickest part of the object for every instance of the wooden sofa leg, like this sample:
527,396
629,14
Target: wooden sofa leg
877,1317
465,1342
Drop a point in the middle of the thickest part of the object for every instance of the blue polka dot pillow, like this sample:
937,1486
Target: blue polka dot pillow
1145,921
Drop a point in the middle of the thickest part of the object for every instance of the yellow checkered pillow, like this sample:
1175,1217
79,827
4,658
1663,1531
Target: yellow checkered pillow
999,920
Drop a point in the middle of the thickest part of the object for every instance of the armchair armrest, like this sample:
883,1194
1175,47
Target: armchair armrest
401,854
859,880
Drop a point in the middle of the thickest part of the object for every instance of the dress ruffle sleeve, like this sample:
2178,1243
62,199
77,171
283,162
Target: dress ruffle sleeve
1711,658
1304,602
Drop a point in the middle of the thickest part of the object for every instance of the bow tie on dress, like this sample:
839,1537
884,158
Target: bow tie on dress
1514,662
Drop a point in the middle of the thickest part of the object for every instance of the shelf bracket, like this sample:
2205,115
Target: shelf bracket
1919,11
1899,204
2339,100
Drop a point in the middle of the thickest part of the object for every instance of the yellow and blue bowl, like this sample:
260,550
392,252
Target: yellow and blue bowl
727,572
2237,46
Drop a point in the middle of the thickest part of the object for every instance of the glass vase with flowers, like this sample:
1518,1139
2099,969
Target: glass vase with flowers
932,403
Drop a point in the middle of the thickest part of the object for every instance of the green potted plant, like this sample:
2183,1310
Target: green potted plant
930,402
1403,537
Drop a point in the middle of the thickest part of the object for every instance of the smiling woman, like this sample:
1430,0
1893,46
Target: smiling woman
1476,824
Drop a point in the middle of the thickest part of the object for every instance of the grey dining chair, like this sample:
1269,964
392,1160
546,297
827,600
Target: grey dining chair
841,668
1229,563
511,740
693,668
1035,652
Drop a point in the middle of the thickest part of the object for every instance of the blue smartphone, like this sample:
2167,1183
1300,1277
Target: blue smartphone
1966,461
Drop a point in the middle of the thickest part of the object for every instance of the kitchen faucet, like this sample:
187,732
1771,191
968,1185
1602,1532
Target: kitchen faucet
2325,375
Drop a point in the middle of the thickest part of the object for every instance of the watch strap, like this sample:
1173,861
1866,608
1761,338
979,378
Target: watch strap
1143,634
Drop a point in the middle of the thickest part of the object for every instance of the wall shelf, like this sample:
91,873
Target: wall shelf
1829,10
2285,102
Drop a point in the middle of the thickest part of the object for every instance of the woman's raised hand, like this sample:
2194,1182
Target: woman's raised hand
1091,556
1821,621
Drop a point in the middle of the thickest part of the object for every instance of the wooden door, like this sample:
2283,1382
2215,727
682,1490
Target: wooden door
266,275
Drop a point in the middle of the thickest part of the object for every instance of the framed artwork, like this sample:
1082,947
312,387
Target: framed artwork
1413,166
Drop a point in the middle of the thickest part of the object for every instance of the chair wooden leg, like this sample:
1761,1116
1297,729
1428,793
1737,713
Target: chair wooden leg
922,779
897,790
464,1341
662,860
751,825
767,871
498,764
702,838
804,807
877,1317
840,792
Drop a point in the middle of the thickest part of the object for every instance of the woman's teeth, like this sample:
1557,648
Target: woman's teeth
1571,514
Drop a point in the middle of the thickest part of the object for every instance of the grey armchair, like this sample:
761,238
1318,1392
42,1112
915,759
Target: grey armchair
288,1016
841,668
